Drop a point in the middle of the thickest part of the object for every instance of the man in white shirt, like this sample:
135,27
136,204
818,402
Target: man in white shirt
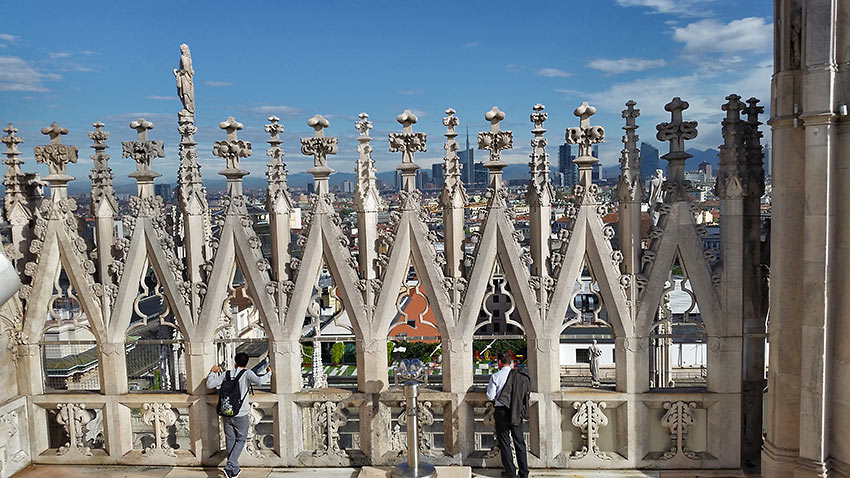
505,430
236,427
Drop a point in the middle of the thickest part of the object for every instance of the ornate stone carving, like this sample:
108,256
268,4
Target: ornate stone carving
328,418
366,197
143,150
408,143
101,175
232,149
589,418
453,193
630,186
426,418
539,188
676,131
15,199
74,417
495,140
160,416
56,155
184,73
319,146
678,418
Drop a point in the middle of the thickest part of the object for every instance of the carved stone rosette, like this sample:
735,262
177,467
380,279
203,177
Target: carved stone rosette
328,418
160,416
589,418
253,442
678,419
75,418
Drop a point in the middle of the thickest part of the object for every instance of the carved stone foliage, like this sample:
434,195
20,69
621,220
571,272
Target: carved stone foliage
678,419
56,155
426,418
495,140
589,418
319,146
328,418
160,416
75,418
255,442
143,151
232,149
407,142
585,135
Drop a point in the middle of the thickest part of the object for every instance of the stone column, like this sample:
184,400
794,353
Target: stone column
103,207
16,206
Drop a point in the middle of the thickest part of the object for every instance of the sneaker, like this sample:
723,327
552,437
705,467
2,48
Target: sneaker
225,473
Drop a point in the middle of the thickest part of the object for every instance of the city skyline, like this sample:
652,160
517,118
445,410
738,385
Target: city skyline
294,73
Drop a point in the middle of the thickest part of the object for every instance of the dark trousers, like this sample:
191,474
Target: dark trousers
504,432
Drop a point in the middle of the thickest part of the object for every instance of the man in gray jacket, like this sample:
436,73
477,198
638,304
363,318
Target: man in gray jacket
236,427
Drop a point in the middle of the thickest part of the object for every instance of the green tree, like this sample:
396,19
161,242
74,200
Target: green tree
337,352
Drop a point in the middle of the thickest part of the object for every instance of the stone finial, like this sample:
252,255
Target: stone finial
733,108
318,123
143,151
366,197
540,188
753,110
453,193
495,140
142,126
363,125
319,147
407,120
629,187
14,181
232,149
676,131
56,155
55,132
407,141
450,122
585,136
101,175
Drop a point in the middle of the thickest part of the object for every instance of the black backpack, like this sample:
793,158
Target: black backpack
229,397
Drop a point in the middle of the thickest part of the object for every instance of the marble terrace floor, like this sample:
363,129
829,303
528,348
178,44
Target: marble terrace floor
79,471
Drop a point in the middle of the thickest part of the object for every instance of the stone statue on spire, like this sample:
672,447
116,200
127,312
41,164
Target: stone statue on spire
185,82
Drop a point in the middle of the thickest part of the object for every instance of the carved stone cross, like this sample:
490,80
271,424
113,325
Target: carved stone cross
11,140
495,140
585,136
753,110
407,141
676,131
318,146
56,155
232,149
143,150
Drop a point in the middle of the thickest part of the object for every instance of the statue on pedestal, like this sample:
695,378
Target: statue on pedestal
593,354
185,83
656,195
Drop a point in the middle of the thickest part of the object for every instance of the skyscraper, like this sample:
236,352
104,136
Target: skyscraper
467,159
596,173
437,174
648,161
566,167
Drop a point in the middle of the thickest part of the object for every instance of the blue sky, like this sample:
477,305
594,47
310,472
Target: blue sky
77,63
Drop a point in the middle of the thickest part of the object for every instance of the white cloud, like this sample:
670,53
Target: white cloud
158,97
705,36
2,45
9,38
512,68
218,83
18,75
689,8
58,54
471,44
277,110
624,65
553,73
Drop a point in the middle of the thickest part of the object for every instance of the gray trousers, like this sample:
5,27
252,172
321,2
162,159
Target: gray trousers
235,432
